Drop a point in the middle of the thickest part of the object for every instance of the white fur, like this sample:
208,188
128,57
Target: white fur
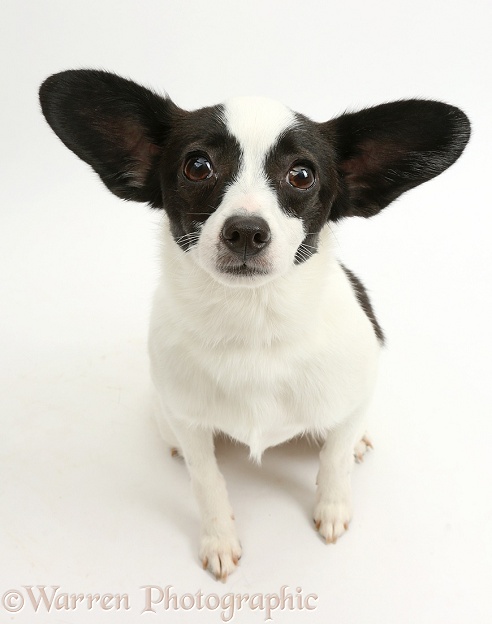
291,354
256,123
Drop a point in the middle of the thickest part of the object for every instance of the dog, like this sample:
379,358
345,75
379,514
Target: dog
257,331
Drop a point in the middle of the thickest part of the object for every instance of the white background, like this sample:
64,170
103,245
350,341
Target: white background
90,498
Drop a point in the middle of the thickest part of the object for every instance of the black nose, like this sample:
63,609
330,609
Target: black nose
246,236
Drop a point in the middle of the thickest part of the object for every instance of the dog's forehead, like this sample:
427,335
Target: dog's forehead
257,122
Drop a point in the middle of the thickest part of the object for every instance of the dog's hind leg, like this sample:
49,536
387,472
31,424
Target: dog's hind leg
164,428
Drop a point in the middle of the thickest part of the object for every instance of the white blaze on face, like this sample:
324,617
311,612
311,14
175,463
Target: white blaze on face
257,124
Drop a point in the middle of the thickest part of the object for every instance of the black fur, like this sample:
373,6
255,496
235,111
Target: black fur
188,203
305,144
365,160
383,151
114,125
138,142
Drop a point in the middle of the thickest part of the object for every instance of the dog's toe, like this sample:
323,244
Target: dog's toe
361,448
332,519
220,555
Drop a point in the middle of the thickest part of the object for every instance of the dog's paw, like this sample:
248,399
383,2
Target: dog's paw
332,519
361,448
220,554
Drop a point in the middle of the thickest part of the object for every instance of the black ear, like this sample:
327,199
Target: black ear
115,125
383,151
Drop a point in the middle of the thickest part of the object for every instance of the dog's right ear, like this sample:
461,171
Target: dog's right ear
114,125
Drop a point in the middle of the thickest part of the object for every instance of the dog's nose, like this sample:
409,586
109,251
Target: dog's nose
246,236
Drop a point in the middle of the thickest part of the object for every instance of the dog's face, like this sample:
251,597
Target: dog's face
249,185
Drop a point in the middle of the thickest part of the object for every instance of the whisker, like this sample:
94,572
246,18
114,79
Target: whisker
334,236
190,236
302,256
303,253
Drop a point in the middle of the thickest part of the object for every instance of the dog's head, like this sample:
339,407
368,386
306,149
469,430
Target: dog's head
248,185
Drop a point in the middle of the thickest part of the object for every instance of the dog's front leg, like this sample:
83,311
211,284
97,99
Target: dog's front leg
333,510
220,549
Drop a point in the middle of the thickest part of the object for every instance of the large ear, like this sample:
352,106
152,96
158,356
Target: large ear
386,150
115,125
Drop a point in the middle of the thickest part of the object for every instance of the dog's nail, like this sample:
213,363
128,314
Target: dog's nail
174,452
205,563
235,560
367,442
346,526
221,575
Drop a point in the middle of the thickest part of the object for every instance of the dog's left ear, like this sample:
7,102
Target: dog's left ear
383,151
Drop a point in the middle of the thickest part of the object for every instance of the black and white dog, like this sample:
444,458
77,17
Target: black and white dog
257,330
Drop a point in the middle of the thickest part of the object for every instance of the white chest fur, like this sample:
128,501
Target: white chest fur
296,355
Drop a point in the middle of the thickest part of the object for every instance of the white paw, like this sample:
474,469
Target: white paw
220,554
332,519
361,448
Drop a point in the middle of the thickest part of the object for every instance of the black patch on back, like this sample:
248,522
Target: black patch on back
364,302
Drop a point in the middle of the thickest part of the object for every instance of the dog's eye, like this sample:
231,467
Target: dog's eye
301,177
198,168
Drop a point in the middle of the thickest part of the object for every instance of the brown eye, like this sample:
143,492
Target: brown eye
198,168
301,177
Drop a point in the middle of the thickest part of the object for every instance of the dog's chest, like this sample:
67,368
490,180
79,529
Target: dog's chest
260,396
262,366
265,394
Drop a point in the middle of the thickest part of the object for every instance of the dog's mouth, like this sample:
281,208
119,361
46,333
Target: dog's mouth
250,267
243,270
